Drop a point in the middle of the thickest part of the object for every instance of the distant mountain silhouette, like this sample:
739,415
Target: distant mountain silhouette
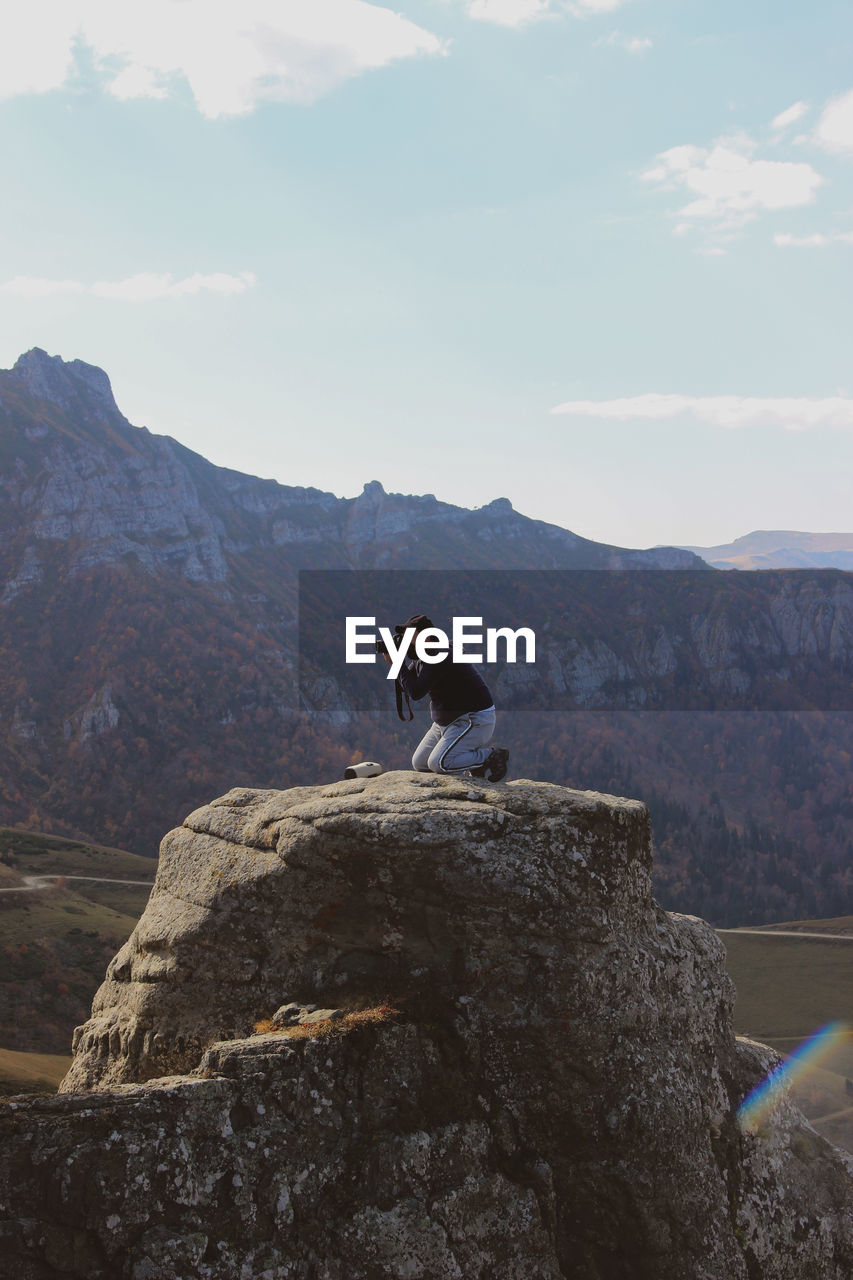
781,549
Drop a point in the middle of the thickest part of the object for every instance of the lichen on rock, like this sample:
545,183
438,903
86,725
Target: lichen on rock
551,1090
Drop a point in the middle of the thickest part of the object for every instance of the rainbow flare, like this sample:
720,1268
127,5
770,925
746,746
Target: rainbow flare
804,1060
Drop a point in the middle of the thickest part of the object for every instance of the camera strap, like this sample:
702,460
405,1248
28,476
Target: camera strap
401,695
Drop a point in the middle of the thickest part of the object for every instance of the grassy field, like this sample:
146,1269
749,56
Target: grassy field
110,911
838,924
28,853
56,941
788,988
31,1072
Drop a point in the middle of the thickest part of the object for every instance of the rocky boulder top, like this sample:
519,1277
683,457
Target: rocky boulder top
417,1026
405,885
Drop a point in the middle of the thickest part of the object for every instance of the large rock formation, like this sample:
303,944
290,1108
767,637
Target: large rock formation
535,1074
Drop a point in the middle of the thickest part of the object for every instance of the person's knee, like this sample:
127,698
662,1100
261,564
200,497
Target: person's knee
420,758
434,763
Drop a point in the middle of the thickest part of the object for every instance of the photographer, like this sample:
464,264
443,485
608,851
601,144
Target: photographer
462,712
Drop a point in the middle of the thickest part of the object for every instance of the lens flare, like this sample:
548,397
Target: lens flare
803,1061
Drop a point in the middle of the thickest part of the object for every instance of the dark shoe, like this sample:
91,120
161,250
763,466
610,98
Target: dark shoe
494,766
497,764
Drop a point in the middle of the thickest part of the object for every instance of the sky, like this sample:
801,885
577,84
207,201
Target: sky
593,256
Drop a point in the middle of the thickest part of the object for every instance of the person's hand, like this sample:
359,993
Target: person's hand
387,658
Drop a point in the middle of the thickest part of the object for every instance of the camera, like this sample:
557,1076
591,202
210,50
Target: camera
399,632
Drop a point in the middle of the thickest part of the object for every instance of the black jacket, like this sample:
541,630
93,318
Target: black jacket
454,687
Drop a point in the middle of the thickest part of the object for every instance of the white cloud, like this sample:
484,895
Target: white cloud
148,287
637,44
632,44
38,287
36,50
835,128
818,240
137,82
507,13
582,7
790,116
791,413
728,185
144,287
516,13
233,54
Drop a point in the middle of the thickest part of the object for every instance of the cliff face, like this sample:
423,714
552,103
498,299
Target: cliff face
530,1070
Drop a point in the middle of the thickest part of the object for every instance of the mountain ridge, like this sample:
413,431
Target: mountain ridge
221,512
781,549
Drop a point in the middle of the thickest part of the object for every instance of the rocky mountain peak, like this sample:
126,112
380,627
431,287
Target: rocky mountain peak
373,492
62,382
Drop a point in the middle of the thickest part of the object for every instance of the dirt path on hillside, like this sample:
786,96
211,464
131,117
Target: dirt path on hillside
790,933
33,883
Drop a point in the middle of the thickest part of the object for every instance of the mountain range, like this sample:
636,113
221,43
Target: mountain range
149,655
781,549
77,472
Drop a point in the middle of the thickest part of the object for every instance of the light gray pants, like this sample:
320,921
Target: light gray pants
455,747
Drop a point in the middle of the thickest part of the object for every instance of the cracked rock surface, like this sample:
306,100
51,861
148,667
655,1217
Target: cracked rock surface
546,1086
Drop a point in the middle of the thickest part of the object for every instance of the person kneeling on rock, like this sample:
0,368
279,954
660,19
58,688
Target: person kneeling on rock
462,712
